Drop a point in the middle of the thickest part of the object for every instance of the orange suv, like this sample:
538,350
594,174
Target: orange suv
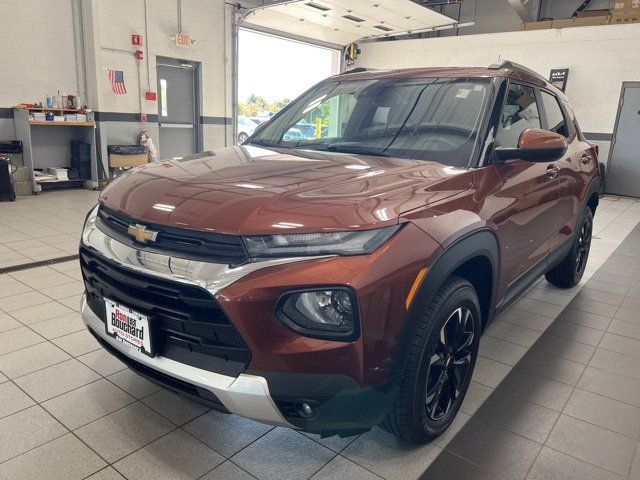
342,281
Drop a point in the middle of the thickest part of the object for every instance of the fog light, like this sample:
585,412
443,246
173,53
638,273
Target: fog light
323,313
305,410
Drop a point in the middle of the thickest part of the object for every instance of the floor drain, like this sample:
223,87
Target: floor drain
39,263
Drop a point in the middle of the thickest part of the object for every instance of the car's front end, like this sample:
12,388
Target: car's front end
303,340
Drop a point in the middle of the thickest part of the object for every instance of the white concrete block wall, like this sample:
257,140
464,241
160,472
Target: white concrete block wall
599,58
202,20
37,55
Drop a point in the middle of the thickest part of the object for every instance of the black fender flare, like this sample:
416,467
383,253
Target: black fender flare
594,188
478,243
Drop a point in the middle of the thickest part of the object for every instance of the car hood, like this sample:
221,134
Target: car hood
249,190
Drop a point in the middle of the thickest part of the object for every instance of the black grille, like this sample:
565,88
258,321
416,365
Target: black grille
186,322
207,246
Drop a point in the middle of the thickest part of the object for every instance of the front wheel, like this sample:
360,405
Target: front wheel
439,364
569,272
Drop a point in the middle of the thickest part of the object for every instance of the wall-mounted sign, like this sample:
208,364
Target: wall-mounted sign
182,40
558,78
136,40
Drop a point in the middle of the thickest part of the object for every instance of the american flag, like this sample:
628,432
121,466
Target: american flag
117,81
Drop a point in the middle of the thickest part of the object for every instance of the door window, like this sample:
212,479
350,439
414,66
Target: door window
555,118
163,97
520,113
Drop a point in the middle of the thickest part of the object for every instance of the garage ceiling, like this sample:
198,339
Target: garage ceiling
330,22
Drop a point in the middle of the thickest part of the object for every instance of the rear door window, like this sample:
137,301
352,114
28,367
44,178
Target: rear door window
556,122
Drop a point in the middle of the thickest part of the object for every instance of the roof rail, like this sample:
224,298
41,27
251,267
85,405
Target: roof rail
514,66
357,70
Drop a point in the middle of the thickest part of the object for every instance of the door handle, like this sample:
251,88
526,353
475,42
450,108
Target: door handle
552,171
586,158
175,125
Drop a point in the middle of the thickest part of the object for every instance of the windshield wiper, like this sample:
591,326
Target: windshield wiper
262,143
356,149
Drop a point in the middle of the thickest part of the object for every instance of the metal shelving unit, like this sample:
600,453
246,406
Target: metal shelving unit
47,144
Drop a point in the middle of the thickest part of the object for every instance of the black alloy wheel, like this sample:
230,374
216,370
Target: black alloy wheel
584,244
569,271
439,363
449,366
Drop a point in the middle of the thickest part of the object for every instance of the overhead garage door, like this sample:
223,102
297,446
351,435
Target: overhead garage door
340,23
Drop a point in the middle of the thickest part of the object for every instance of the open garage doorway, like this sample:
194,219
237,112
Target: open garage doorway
274,70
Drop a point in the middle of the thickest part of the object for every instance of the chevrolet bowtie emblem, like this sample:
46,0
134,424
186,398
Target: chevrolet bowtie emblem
141,234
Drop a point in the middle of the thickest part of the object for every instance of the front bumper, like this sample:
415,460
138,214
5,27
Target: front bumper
337,400
350,385
246,395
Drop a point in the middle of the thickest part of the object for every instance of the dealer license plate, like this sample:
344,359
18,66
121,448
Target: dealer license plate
128,326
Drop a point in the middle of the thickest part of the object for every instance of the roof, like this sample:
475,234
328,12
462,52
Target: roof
510,70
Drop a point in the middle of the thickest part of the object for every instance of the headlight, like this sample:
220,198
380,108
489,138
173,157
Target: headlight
355,242
330,313
89,223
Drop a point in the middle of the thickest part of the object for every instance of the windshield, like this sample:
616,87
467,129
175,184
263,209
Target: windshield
433,119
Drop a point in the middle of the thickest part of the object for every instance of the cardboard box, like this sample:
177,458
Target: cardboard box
626,4
626,16
590,21
579,22
563,23
536,25
126,161
594,13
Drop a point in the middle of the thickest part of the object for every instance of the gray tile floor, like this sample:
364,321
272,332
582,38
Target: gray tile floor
555,394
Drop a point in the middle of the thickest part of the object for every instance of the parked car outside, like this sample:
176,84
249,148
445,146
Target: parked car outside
293,135
307,129
245,129
334,284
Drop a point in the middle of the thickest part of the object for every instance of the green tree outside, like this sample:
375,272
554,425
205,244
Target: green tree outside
256,103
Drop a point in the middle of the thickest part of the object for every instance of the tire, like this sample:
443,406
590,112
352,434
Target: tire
569,272
242,137
416,415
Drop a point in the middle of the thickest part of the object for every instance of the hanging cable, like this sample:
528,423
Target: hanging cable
584,5
146,36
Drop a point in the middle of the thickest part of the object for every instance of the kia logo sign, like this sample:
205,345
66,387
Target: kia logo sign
558,78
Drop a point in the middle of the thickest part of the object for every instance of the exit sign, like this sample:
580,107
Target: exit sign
182,40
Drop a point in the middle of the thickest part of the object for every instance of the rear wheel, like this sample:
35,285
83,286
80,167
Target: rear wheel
439,365
569,272
242,137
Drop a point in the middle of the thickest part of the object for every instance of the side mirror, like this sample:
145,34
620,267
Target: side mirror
535,145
